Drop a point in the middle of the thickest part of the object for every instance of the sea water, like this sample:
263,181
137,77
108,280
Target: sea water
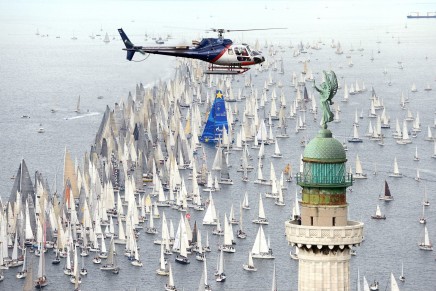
40,73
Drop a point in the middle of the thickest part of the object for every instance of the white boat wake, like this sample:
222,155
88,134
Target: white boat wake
82,115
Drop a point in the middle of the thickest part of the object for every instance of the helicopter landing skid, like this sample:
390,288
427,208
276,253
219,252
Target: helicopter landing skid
225,70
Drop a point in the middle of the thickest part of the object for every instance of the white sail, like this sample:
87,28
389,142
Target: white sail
162,258
41,264
245,203
260,244
250,260
274,280
28,233
359,170
221,263
217,162
365,284
261,209
426,237
170,277
396,170
210,217
228,233
394,284
378,211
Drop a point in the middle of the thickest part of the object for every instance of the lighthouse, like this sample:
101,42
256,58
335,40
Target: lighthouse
322,233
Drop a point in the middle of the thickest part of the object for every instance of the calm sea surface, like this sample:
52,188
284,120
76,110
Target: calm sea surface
40,73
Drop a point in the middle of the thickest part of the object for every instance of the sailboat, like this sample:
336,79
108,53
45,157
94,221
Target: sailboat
279,200
374,286
355,137
170,285
200,256
396,173
405,138
402,277
425,201
41,281
261,218
245,204
151,229
204,285
220,276
260,249
210,217
378,214
227,246
425,244
111,264
387,193
23,273
434,150
224,172
359,171
15,262
83,270
75,278
40,129
77,110
429,136
277,153
162,271
240,233
106,38
182,257
250,265
416,157
216,121
417,177
136,260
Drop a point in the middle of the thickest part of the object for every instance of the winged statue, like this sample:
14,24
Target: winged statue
327,90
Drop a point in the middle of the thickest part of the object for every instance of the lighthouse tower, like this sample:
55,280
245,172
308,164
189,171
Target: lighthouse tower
323,233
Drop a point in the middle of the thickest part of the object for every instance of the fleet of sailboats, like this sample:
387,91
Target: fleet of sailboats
110,220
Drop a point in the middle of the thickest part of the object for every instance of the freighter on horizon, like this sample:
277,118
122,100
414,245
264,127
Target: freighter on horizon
416,15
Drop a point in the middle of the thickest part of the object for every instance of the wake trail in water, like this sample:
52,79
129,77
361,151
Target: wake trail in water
82,116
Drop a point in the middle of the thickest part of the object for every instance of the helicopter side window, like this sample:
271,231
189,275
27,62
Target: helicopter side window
230,51
244,52
238,51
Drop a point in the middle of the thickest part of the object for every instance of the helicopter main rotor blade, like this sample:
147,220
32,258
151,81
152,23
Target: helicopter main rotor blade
230,30
271,28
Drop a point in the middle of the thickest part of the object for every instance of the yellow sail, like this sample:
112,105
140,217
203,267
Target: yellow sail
188,126
70,174
287,169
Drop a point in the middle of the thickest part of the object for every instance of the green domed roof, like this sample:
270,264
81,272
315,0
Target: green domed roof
325,148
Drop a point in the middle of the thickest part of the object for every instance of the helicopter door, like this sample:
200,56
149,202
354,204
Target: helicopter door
242,54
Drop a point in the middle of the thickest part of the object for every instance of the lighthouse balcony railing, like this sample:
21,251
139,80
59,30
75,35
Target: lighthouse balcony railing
350,234
324,180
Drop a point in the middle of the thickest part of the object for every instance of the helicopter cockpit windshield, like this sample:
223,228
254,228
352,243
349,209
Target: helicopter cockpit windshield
252,52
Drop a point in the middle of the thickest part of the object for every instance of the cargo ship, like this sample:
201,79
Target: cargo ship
417,15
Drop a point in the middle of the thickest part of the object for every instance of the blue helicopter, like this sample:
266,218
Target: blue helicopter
224,56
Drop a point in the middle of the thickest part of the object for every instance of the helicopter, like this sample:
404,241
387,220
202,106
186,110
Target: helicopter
224,56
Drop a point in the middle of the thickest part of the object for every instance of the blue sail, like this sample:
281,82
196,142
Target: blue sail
216,121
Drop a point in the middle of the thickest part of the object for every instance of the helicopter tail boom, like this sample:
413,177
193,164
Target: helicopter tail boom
130,47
